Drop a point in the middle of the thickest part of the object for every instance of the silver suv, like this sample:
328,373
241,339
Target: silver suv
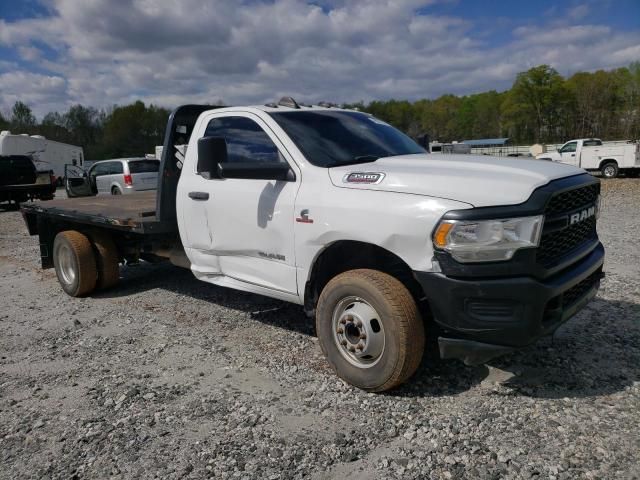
124,175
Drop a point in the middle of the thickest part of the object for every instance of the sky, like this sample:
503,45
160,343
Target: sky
57,53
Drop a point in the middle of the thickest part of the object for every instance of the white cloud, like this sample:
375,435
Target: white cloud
243,52
45,91
579,11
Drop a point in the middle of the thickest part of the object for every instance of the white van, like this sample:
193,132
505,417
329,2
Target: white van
120,176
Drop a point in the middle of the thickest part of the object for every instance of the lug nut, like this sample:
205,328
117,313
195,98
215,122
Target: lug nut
360,347
352,349
344,343
358,323
340,330
343,320
363,336
348,317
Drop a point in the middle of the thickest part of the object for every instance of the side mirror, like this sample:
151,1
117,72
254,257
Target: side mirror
211,151
256,171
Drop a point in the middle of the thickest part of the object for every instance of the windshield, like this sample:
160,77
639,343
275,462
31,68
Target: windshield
329,139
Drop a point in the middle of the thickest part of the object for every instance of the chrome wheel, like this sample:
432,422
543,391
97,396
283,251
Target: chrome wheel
358,332
66,264
609,171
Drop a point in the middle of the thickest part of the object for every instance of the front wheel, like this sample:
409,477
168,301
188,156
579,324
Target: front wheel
610,170
370,329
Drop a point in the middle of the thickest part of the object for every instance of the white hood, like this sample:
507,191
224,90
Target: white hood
478,180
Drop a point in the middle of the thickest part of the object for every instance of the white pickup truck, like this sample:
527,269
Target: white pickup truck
390,248
592,155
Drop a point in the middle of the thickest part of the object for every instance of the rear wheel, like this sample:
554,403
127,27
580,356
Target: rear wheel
107,262
370,329
75,263
609,170
116,191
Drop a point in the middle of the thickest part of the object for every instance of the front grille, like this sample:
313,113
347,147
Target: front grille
556,244
576,292
573,199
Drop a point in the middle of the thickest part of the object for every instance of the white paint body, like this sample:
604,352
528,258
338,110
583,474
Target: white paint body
47,154
246,236
575,152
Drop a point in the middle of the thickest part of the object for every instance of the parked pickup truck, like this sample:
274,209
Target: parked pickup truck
20,181
590,154
341,213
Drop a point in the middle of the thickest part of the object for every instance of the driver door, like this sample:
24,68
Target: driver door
568,153
243,228
77,182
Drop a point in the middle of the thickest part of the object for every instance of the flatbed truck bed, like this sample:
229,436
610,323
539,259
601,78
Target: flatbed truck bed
134,213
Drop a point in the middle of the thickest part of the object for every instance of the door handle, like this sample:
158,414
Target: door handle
573,154
199,195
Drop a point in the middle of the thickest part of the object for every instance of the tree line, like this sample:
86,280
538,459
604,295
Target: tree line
541,106
122,131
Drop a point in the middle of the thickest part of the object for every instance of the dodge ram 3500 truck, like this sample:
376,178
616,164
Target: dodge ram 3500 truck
340,212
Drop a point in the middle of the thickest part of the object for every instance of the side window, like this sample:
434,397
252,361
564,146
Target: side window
99,170
569,147
246,141
115,168
592,143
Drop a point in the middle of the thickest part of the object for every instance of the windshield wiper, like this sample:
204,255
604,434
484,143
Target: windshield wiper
356,160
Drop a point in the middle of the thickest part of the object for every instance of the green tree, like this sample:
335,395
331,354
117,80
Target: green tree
84,125
52,119
134,130
535,103
22,118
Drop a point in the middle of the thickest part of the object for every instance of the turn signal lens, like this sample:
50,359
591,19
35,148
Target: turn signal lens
440,237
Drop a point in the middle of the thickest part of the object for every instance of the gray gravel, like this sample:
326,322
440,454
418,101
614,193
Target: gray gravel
169,377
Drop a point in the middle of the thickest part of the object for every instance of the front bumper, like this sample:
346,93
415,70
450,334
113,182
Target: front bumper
483,318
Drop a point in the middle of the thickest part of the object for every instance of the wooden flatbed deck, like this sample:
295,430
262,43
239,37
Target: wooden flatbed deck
135,212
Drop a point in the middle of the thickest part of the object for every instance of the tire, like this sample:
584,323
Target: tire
116,191
107,261
75,263
609,170
354,297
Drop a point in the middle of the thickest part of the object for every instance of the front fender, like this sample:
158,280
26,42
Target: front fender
398,222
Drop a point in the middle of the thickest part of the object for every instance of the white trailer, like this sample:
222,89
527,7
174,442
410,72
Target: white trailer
47,154
592,155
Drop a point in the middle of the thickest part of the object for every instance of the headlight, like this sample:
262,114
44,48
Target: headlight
487,240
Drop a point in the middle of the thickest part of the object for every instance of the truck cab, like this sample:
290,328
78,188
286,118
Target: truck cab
569,153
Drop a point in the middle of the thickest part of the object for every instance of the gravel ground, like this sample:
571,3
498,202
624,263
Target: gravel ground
169,377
